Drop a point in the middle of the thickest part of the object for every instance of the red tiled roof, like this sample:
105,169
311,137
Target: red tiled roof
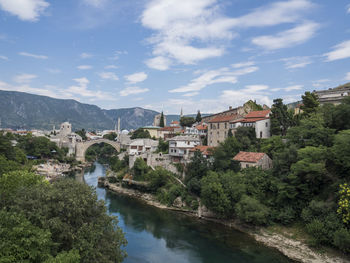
250,157
201,127
254,119
224,118
258,114
167,129
203,149
175,122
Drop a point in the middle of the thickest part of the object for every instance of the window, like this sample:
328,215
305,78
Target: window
225,125
218,132
266,124
188,143
218,125
261,134
211,126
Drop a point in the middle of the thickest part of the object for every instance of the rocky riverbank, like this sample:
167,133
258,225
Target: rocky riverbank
293,249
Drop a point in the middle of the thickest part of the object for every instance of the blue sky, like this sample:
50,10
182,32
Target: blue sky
169,54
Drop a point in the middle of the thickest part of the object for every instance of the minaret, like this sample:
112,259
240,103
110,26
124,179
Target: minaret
118,131
181,113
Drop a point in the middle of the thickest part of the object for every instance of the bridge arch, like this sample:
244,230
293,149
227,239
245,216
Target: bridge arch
81,147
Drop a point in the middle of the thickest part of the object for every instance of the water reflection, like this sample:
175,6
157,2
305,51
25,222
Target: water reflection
155,235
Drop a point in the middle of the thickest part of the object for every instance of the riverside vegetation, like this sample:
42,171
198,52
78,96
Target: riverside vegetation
53,222
308,188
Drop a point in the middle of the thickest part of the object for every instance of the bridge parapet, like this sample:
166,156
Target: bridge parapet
81,147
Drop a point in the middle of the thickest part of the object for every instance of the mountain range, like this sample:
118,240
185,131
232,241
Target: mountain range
19,110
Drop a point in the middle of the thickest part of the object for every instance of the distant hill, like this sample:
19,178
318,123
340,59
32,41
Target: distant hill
28,111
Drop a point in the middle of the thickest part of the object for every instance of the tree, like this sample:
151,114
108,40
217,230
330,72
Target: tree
341,153
247,138
195,170
163,146
75,217
310,103
110,136
140,133
198,117
252,211
338,117
187,121
140,169
224,153
161,121
280,118
82,134
21,241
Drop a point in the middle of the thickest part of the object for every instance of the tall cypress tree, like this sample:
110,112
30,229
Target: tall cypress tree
198,117
161,122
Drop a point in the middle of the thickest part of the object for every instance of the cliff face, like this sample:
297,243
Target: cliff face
28,111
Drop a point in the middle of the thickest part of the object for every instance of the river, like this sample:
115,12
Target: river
156,235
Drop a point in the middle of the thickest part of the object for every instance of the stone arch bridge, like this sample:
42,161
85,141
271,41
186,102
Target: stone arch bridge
81,147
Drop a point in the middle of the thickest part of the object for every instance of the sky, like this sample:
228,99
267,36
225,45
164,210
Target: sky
166,55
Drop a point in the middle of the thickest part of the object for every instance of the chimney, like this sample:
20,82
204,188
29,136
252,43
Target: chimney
230,108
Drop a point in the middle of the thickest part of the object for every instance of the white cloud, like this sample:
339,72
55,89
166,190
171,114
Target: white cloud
84,67
340,51
27,10
4,57
348,9
136,77
255,88
53,70
222,75
111,67
190,94
26,54
243,64
160,63
297,62
288,38
24,78
189,31
117,54
96,3
294,87
319,83
81,89
347,77
132,90
108,75
86,55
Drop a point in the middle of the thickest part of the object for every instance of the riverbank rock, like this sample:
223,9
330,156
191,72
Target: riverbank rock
178,202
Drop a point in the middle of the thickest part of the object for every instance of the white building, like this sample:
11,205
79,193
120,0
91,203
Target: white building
259,120
140,146
180,146
191,131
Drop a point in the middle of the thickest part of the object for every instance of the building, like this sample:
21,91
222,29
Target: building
175,124
218,128
156,120
231,111
191,130
335,95
259,120
253,159
66,138
153,130
140,146
180,146
202,129
205,151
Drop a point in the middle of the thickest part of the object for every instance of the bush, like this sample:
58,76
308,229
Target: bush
341,239
252,211
318,232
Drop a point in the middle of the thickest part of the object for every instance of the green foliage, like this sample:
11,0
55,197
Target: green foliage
187,121
140,169
158,178
75,218
110,136
213,195
280,118
21,241
247,138
140,133
161,121
198,117
310,103
272,146
252,211
341,153
71,256
82,134
253,105
341,239
163,146
224,153
195,170
8,165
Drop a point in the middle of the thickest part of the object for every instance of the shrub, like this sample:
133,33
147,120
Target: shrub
341,239
252,211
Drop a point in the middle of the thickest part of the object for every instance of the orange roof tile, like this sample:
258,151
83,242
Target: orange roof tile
175,122
202,127
258,114
203,149
224,118
167,129
250,157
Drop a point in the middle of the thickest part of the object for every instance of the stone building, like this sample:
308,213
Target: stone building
335,95
180,146
218,128
253,159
